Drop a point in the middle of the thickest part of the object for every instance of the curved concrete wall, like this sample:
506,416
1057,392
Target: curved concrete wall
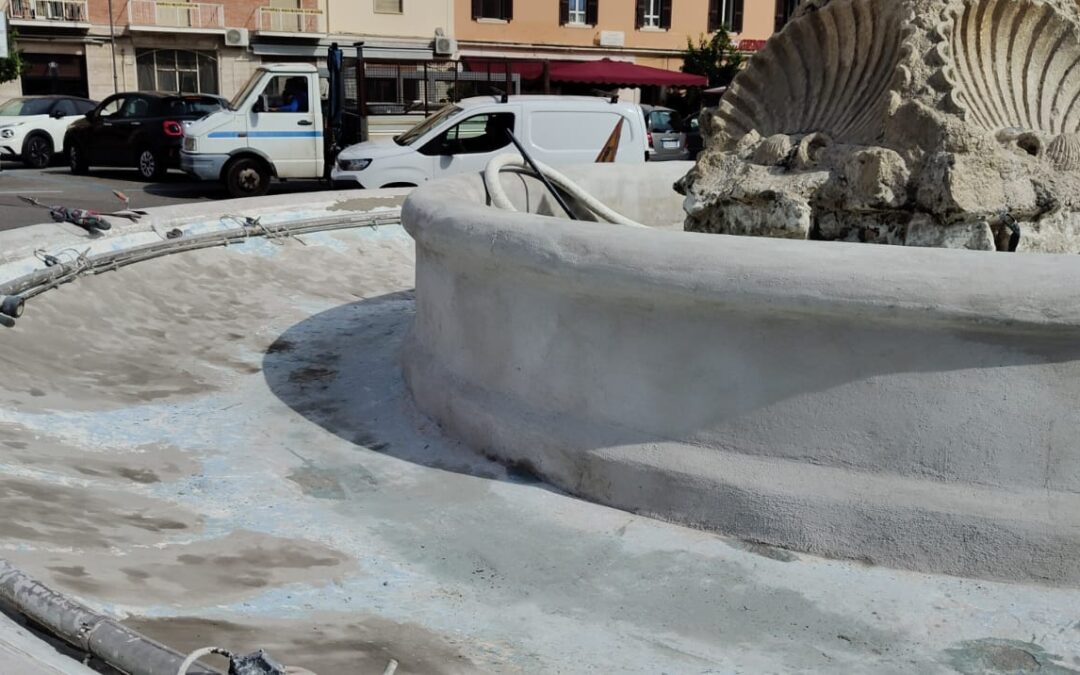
916,408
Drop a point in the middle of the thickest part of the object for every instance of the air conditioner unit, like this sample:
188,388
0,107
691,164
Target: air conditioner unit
237,37
612,38
445,46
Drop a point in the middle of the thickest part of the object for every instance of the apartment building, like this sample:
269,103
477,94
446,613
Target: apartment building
647,32
95,47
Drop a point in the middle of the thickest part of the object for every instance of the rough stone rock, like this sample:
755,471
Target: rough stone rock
911,116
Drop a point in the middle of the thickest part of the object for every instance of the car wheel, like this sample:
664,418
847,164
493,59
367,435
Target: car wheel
38,151
247,177
151,165
77,159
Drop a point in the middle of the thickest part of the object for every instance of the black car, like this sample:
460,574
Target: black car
139,129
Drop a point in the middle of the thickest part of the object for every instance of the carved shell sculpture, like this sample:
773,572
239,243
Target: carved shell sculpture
828,71
1064,152
1013,63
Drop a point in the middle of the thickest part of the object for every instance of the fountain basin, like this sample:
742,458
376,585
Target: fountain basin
915,408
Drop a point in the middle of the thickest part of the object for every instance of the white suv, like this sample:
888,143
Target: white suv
33,128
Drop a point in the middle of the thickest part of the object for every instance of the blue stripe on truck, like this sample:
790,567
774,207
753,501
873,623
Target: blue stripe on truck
265,134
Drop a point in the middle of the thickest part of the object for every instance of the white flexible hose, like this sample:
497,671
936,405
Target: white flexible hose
499,199
198,654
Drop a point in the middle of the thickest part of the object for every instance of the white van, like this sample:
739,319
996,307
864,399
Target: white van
463,137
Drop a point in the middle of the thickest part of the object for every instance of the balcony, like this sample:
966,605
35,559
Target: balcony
63,13
162,15
291,21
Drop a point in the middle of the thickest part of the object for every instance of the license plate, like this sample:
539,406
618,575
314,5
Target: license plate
671,145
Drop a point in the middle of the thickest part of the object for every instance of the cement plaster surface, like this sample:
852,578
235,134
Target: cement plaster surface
220,447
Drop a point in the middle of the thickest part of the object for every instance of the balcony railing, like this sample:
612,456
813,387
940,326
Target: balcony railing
176,14
73,11
291,20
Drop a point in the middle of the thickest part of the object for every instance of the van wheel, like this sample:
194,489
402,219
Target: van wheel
151,165
77,159
247,177
37,151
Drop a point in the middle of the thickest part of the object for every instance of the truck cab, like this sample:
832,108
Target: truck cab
273,128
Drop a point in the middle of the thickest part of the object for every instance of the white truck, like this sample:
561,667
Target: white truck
277,126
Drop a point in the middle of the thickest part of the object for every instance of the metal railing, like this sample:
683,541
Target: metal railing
291,20
49,10
176,14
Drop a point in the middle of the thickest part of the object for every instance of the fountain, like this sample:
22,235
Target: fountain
912,406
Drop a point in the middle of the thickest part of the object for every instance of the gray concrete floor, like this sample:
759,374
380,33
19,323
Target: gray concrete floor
219,448
56,185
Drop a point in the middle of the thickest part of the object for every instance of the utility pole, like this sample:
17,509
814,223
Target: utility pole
112,48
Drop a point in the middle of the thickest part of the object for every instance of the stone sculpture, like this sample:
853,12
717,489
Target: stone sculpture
951,123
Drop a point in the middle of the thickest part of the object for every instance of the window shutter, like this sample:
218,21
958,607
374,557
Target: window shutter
564,12
665,14
592,12
736,16
639,17
714,15
508,9
477,8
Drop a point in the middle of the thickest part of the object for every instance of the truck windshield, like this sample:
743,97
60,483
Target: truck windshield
412,135
246,90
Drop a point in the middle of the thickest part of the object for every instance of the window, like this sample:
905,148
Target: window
286,94
726,15
784,10
190,106
135,107
479,134
388,6
664,122
654,14
579,12
66,106
177,70
493,9
17,107
111,106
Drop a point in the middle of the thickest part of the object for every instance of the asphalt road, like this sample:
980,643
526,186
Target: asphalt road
56,185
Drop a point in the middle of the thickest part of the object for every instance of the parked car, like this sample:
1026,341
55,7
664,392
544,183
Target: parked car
667,141
140,129
32,128
463,137
694,141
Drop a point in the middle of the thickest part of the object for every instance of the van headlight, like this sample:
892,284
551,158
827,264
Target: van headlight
353,164
191,144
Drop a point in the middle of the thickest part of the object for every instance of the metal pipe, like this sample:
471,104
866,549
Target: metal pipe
112,47
86,630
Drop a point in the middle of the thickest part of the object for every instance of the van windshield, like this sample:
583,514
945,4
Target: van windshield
246,90
412,135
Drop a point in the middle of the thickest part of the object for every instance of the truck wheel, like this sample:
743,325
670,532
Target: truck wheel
152,165
77,159
37,151
247,177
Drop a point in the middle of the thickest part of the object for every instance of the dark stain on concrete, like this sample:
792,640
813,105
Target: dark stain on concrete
281,346
311,375
134,575
75,571
992,656
17,445
144,476
766,551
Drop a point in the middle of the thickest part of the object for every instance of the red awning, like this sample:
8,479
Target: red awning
622,74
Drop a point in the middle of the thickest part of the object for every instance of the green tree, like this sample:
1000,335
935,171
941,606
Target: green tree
716,58
13,66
